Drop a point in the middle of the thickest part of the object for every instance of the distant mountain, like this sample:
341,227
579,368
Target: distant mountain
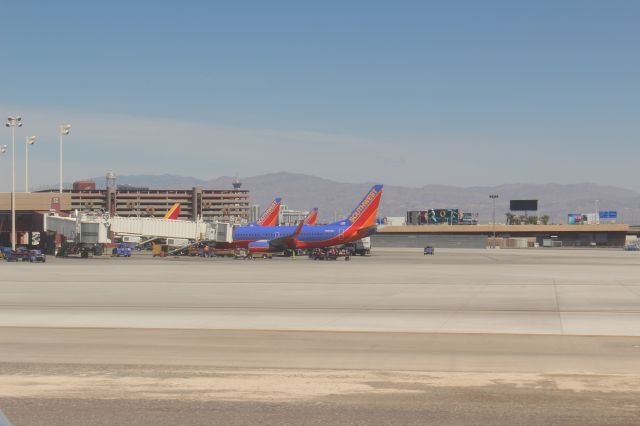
336,199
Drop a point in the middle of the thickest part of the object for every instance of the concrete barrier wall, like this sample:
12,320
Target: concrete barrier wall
423,240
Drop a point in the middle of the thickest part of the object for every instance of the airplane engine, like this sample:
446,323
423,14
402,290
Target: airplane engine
258,246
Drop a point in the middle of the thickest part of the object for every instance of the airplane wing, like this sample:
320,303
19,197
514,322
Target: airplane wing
287,241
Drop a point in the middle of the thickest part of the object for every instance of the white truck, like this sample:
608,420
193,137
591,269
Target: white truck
360,247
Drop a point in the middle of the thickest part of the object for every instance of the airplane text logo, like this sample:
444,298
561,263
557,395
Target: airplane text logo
358,211
267,212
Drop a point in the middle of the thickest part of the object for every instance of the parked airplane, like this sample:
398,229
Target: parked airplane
270,216
173,213
359,224
312,217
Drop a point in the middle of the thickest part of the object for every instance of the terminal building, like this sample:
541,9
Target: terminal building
195,203
288,217
451,228
230,205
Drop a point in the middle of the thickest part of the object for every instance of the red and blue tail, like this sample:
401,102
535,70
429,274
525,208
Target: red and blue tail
270,216
173,213
312,217
365,213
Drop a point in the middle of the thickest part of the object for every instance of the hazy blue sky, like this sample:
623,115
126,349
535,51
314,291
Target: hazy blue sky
461,92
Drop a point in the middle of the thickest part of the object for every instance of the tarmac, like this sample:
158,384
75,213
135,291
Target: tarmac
559,292
462,337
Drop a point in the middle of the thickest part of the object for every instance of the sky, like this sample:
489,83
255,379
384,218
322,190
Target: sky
409,93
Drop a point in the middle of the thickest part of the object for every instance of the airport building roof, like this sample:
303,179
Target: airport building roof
501,229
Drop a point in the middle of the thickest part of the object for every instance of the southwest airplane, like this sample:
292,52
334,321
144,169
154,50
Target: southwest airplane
268,218
359,224
312,217
173,213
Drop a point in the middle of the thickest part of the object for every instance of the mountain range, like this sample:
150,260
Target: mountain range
336,199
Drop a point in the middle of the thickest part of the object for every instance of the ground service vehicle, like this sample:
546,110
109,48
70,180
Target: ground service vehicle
84,250
331,253
20,254
37,256
160,250
361,247
224,252
121,250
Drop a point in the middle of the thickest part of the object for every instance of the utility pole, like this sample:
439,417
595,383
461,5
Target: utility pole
29,141
13,122
64,131
493,220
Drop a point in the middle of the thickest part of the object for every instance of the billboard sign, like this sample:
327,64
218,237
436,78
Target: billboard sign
55,204
469,219
443,216
611,214
523,205
581,219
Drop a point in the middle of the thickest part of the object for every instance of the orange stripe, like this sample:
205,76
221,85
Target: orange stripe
171,211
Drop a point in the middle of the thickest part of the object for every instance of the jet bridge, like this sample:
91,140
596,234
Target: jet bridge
161,228
96,228
81,229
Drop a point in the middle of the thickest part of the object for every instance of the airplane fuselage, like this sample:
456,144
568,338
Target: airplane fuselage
311,236
359,224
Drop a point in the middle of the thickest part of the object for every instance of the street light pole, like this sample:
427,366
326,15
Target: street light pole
29,141
13,122
64,130
493,221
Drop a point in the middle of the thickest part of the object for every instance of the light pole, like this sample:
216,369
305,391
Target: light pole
29,141
13,122
64,131
3,149
493,221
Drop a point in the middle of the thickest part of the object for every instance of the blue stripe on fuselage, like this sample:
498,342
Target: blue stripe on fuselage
309,233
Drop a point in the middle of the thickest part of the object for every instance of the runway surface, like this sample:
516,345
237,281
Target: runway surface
323,350
464,337
515,292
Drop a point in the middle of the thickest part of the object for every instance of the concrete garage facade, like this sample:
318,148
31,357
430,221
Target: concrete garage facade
422,240
476,236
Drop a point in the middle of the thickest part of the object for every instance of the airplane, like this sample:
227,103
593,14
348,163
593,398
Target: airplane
173,213
312,217
359,224
270,216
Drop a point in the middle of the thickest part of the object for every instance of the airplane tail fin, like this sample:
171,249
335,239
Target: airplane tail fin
270,216
364,215
312,217
173,213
